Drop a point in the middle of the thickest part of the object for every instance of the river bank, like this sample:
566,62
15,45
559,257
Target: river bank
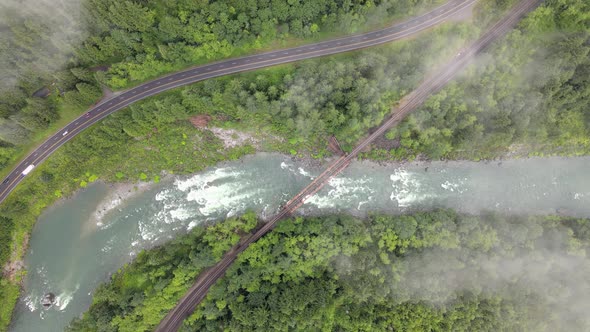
121,192
138,215
89,252
118,194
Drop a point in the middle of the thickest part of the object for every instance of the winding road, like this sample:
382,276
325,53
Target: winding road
226,67
189,302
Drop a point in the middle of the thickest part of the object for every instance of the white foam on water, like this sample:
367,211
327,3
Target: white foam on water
163,215
224,197
265,212
145,231
204,199
102,226
284,165
454,186
233,194
202,180
109,246
180,214
42,272
231,213
305,173
191,225
405,188
163,195
62,300
344,191
361,204
31,302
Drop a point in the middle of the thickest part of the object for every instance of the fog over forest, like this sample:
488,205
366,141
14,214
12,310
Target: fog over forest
552,280
58,30
526,95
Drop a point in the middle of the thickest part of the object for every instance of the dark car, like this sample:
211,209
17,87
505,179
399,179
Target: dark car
6,181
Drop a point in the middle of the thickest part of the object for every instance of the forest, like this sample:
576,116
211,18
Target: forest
526,95
503,103
52,59
426,271
65,46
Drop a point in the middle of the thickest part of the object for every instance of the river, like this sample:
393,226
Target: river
71,250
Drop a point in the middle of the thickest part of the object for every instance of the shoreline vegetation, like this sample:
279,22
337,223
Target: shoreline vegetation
301,105
428,270
126,191
120,193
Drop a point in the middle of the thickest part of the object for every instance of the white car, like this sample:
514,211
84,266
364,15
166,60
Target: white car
65,133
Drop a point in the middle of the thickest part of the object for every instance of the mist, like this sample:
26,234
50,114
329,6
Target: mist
541,270
352,95
38,37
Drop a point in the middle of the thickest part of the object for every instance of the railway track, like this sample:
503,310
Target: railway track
98,112
433,84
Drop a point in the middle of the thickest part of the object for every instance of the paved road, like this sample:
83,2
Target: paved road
432,84
227,67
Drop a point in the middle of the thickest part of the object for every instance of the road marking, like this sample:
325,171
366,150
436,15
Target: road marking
76,122
400,34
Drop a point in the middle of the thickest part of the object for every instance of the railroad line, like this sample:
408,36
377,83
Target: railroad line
434,83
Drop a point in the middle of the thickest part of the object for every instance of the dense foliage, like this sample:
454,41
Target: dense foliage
427,271
60,45
154,135
129,146
505,103
527,95
157,36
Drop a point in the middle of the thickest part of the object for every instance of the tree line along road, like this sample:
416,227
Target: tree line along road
226,67
432,84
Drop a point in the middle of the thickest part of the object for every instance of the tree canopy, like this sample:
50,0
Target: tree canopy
434,271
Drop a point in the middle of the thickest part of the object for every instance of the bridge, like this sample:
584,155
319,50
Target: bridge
412,101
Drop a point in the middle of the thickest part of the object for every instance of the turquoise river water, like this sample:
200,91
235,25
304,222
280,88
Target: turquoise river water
72,249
